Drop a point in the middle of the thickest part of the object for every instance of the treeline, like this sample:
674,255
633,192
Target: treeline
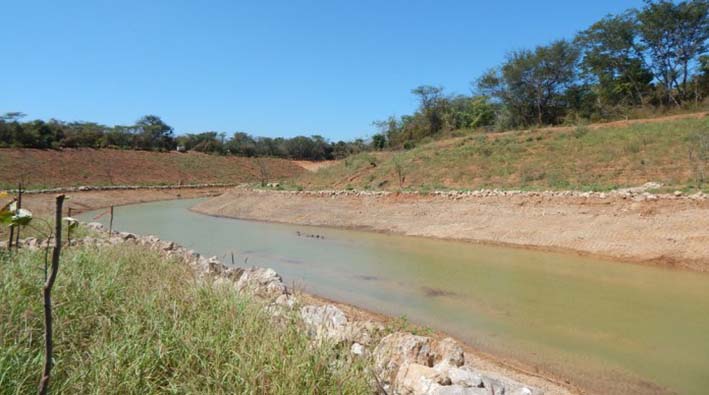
299,147
654,58
148,133
152,133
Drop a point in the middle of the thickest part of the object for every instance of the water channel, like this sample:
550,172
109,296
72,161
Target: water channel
609,327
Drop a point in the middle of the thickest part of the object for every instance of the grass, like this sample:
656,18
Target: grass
580,158
128,321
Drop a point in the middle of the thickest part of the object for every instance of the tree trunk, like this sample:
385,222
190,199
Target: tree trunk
47,291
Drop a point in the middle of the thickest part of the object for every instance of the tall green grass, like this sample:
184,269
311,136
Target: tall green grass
128,321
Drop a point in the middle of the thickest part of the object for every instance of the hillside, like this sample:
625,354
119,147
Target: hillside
73,167
599,157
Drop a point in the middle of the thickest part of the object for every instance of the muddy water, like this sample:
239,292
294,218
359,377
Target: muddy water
607,327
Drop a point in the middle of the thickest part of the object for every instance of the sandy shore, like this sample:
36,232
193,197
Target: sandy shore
669,232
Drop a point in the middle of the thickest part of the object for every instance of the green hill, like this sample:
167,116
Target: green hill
672,151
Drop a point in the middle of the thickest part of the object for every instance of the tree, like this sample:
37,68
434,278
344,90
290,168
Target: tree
675,36
531,84
613,60
471,112
432,105
153,133
379,141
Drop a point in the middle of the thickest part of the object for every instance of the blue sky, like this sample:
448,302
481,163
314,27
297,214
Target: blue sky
271,68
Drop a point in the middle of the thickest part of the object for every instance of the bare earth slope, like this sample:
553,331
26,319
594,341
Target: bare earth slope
74,167
671,232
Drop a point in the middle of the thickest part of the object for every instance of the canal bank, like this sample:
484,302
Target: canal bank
625,226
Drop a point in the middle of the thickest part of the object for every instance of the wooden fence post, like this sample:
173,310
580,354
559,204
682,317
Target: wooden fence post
19,206
110,223
68,228
12,237
47,292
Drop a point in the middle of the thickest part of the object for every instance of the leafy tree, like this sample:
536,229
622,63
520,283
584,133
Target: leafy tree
471,112
613,60
153,133
531,84
433,106
675,36
379,141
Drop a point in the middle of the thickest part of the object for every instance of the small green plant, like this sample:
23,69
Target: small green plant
399,169
699,156
580,131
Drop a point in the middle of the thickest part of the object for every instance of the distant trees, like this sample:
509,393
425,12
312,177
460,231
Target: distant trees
437,112
152,133
654,57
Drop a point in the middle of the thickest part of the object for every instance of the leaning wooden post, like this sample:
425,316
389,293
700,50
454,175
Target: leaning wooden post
44,382
12,237
110,223
19,206
68,228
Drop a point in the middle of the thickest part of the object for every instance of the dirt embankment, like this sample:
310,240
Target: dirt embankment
670,232
73,167
43,204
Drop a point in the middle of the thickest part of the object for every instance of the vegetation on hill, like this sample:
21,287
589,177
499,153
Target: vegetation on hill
599,157
76,167
641,61
129,321
151,133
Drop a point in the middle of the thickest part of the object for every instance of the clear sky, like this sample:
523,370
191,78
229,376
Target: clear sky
271,68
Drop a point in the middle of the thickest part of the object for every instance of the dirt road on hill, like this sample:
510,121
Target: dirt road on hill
668,232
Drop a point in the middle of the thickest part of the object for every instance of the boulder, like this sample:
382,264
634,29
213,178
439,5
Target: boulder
448,352
167,245
95,226
399,348
127,236
363,332
464,377
261,282
458,390
416,379
287,300
325,322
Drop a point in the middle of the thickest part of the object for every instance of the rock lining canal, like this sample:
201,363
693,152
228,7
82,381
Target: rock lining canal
609,327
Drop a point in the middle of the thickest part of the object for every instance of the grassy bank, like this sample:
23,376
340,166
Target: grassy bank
598,158
128,321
